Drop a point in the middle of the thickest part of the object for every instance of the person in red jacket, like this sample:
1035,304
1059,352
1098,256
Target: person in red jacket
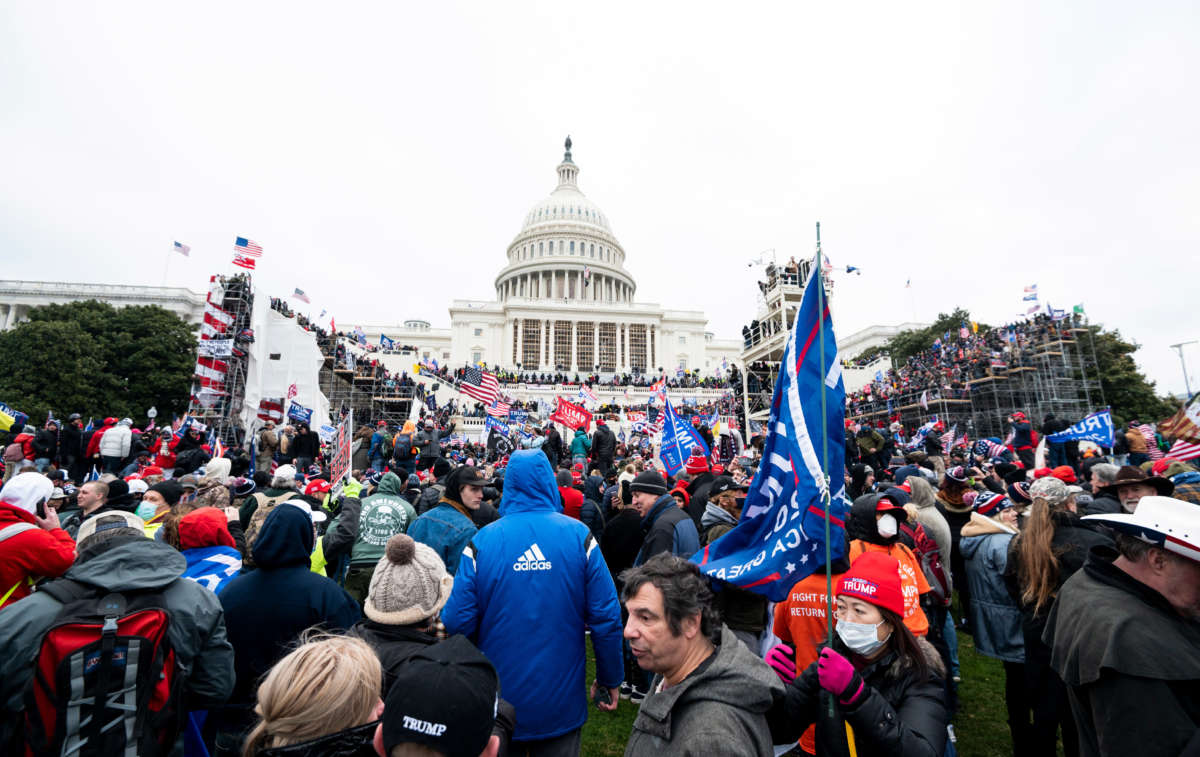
572,498
30,546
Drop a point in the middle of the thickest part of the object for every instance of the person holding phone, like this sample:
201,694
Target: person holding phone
32,543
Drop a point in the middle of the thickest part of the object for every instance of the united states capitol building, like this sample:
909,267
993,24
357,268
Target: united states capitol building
563,300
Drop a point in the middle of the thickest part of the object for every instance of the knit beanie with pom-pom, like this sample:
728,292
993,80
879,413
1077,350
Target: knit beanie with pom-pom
410,584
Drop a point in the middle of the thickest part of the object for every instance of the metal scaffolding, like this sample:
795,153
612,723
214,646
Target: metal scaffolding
221,410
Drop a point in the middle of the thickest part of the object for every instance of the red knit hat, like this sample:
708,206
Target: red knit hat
697,463
205,527
1064,473
875,578
682,491
1042,473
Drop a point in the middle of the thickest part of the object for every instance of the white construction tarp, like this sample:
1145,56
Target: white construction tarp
283,354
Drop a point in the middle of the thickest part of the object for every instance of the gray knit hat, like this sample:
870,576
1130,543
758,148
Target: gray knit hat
410,583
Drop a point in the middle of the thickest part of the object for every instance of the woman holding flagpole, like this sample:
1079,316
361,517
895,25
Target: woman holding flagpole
877,689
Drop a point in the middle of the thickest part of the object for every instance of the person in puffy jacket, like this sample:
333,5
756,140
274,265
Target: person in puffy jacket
885,685
995,616
580,446
31,546
114,445
525,590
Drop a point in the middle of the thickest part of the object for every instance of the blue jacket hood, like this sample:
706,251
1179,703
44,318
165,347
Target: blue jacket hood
529,484
286,538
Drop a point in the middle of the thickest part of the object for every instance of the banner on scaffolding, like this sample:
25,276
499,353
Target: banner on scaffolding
340,464
299,413
215,348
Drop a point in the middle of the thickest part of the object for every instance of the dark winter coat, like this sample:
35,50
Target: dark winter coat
604,444
1130,662
267,609
668,529
71,442
358,741
621,541
45,443
739,609
305,444
392,644
995,616
898,715
697,490
720,709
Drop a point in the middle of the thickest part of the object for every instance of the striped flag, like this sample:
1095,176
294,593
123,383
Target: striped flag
948,438
183,249
247,247
1182,450
300,295
243,262
479,385
498,409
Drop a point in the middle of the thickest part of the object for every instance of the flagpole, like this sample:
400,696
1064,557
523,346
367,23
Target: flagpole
824,447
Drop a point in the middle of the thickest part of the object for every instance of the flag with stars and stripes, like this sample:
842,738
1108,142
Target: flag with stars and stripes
780,538
479,385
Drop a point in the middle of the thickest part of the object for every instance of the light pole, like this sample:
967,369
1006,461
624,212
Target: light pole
1179,348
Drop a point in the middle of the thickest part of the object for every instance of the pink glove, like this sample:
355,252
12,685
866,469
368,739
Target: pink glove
782,660
837,676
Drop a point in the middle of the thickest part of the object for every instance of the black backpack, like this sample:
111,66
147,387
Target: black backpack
105,680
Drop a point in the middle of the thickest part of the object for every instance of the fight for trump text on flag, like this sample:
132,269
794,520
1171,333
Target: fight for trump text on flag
781,535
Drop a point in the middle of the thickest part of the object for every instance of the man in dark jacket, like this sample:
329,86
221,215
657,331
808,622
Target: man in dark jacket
72,446
697,467
267,609
306,447
667,528
604,445
115,556
715,693
552,447
45,446
1124,638
744,612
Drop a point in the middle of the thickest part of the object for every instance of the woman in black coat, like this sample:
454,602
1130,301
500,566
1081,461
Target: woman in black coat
884,683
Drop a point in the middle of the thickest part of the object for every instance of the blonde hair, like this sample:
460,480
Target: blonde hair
327,684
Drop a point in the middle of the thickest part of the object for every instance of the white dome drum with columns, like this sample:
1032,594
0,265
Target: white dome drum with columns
565,302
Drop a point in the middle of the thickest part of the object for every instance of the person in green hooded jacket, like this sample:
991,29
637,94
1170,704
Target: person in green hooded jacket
363,527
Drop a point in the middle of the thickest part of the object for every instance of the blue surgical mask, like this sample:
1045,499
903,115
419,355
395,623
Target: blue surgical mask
861,638
146,510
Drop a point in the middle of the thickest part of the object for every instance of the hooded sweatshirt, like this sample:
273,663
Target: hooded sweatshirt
384,514
210,550
526,588
267,609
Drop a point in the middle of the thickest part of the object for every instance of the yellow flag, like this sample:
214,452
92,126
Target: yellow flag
974,327
6,421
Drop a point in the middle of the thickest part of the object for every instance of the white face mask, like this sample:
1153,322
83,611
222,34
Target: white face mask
862,638
887,526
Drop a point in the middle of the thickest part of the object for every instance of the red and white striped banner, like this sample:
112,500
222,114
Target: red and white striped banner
1182,450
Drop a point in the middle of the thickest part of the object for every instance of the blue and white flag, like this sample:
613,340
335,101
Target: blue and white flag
212,567
518,416
781,535
678,439
385,343
299,413
1097,427
492,424
93,476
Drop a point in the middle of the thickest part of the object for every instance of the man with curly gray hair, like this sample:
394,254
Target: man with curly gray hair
710,694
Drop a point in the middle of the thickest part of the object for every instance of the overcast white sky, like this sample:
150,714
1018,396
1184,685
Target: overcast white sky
385,154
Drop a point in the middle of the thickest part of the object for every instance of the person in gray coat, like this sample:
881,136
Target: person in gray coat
115,556
710,694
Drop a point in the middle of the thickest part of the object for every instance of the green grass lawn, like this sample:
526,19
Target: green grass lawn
981,722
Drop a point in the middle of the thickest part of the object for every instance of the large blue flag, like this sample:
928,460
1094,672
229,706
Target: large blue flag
678,439
1097,427
780,538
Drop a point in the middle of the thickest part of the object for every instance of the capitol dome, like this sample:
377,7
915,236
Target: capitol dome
566,250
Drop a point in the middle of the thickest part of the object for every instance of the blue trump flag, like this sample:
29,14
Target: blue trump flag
678,439
780,538
1097,428
386,343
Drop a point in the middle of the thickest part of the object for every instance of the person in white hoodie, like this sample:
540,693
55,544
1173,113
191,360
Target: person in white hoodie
995,616
114,445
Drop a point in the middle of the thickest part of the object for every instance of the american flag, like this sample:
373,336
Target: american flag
1182,450
1031,288
300,295
479,385
247,247
587,393
498,409
183,249
948,438
243,262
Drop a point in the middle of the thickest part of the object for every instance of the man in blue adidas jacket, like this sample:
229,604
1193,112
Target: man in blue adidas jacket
526,587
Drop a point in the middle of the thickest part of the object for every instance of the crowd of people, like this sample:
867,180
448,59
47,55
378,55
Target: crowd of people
440,600
944,370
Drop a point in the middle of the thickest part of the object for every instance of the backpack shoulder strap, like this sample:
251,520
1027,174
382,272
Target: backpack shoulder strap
67,590
14,529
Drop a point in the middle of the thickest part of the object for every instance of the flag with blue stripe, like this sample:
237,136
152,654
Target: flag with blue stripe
678,440
1097,427
386,343
780,538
